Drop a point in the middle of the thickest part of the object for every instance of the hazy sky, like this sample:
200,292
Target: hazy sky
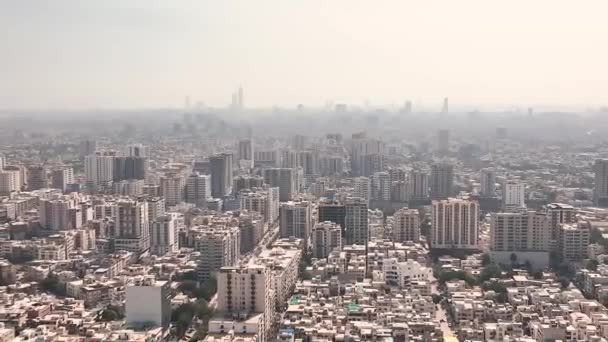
127,53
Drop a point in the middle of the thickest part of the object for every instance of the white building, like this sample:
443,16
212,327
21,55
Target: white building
363,188
131,226
574,239
487,183
148,302
455,224
164,238
9,182
513,196
402,273
326,237
381,185
99,169
172,188
295,220
198,189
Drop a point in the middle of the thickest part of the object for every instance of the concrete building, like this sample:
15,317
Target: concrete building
487,183
356,222
218,247
574,239
247,182
131,226
443,141
363,188
442,181
295,220
600,190
406,225
164,234
172,186
99,169
401,273
148,301
283,178
381,186
129,187
221,174
454,224
326,237
246,155
198,189
9,182
513,196
37,177
332,211
60,213
418,185
61,177
252,228
129,167
263,201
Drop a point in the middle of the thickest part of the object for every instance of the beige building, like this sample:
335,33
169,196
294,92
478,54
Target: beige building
326,237
455,224
406,225
295,219
574,239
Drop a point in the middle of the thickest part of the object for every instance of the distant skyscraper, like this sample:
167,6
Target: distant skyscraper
246,154
363,188
444,108
87,148
241,98
454,224
295,220
61,177
443,141
37,177
326,237
132,167
131,227
221,174
381,186
334,212
9,182
418,185
164,234
284,179
198,189
513,196
487,183
99,169
406,225
138,150
2,162
172,186
442,180
356,221
600,190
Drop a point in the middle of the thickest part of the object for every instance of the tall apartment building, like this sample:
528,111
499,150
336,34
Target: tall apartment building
520,232
418,185
138,150
2,162
367,155
406,225
399,191
487,183
148,301
513,196
164,234
331,165
363,188
172,186
600,190
381,186
295,220
326,237
332,211
87,148
559,213
221,174
443,141
442,180
61,177
9,182
198,189
128,187
251,225
60,213
218,247
574,240
129,167
283,178
99,169
289,159
265,202
246,154
131,226
356,222
309,162
454,224
266,158
244,301
37,177
247,182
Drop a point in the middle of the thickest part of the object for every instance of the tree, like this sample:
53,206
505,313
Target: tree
489,272
436,298
485,259
564,281
513,259
51,284
592,265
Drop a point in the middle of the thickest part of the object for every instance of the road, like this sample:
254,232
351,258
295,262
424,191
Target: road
440,316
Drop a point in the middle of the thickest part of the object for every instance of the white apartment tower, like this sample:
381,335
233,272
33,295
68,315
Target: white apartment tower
172,186
363,188
513,196
295,220
454,224
487,183
198,189
164,234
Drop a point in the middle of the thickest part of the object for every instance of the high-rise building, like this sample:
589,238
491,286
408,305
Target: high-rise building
513,196
559,213
487,183
332,165
247,182
9,182
266,158
37,177
156,207
289,159
326,237
309,162
138,150
172,186
244,292
284,179
131,226
574,240
246,154
131,167
251,225
148,301
99,170
356,221
520,232
218,247
406,225
198,189
399,191
61,177
367,155
332,211
443,141
263,201
221,174
87,148
444,108
442,180
129,187
2,162
60,213
381,186
600,190
363,188
418,185
295,220
164,236
454,224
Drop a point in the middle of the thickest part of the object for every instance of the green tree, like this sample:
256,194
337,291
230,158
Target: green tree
436,298
485,259
513,259
592,265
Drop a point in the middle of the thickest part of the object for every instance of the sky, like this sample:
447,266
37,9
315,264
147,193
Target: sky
75,54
